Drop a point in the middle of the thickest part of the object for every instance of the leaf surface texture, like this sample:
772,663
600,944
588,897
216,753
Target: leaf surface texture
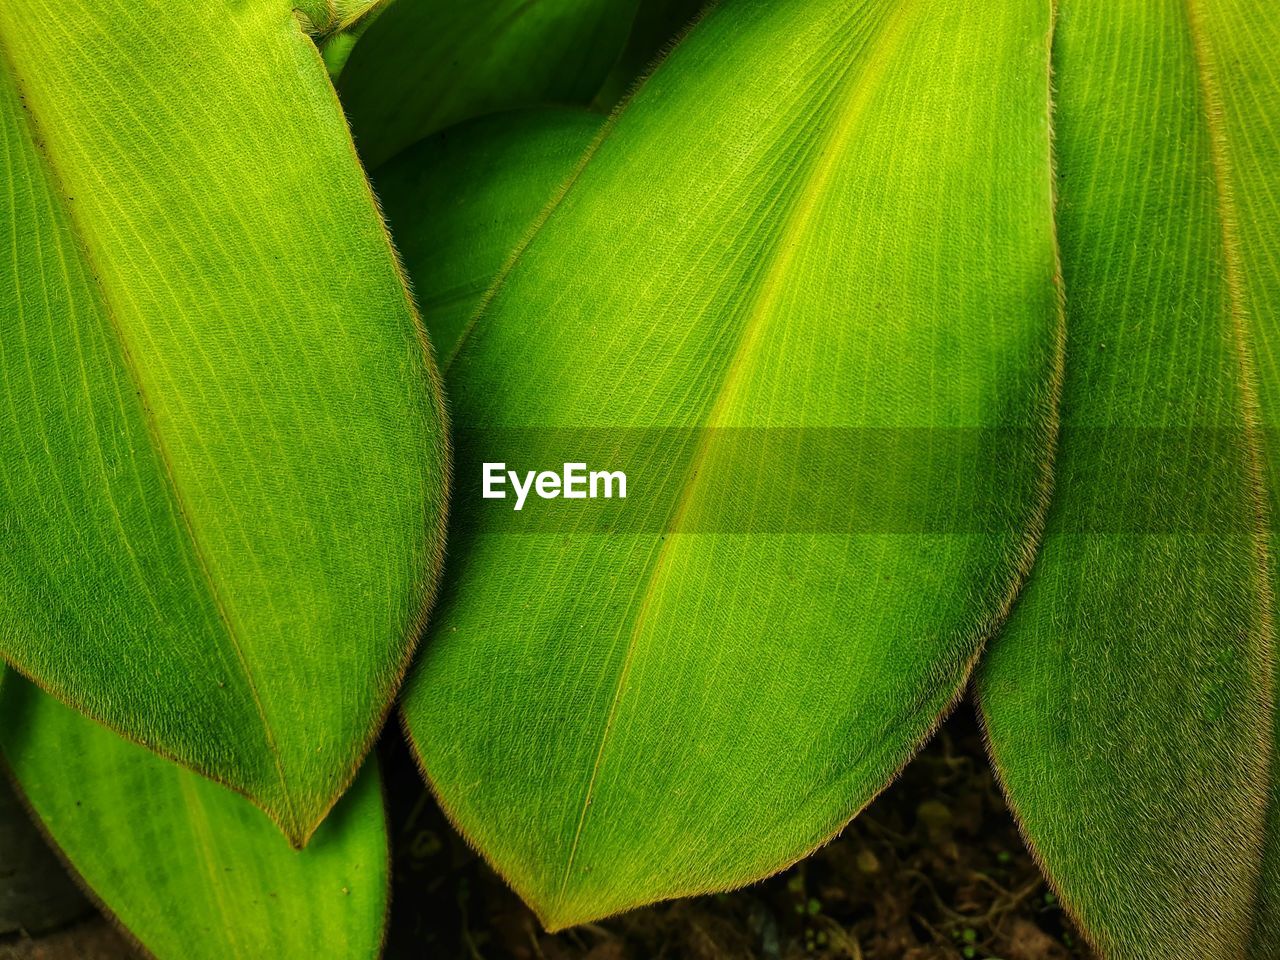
460,202
1129,703
770,236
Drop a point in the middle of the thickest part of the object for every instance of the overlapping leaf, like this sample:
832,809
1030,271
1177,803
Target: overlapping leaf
331,17
688,689
428,64
191,869
459,202
221,461
658,25
1129,704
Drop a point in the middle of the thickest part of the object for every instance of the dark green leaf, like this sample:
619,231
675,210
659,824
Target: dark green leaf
657,26
460,202
428,64
1129,703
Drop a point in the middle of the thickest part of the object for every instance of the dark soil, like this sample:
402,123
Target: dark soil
933,870
90,939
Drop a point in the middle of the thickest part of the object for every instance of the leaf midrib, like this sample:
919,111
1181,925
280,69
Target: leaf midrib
1225,208
79,232
827,155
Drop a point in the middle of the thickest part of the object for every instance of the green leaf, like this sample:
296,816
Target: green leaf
458,203
189,868
428,64
1128,703
688,689
223,459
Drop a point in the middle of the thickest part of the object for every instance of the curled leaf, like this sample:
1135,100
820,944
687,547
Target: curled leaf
425,65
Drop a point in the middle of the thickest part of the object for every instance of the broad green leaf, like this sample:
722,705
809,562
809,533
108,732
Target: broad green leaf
688,689
1128,703
189,868
460,202
425,65
223,461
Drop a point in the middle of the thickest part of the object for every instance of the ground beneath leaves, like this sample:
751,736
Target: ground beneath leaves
933,870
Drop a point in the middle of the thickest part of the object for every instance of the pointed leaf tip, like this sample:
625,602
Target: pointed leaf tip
771,256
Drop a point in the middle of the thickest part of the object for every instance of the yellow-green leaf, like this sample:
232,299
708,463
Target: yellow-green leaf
190,869
820,232
222,463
